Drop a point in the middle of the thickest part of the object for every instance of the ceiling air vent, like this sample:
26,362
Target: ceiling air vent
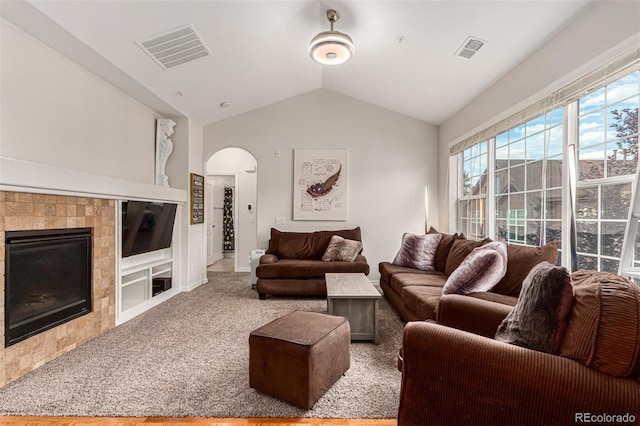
175,47
470,46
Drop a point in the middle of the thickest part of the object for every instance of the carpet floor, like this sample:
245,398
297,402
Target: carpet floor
189,357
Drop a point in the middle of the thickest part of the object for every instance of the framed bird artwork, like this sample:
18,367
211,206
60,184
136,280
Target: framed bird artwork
320,184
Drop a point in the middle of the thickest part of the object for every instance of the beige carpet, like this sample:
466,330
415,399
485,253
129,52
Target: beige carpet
189,358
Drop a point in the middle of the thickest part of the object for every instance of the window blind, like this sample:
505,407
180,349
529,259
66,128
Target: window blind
613,70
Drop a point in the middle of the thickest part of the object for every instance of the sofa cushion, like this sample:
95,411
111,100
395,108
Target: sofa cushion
539,319
388,269
480,271
444,247
604,327
434,279
305,269
306,245
342,249
520,261
495,297
422,301
460,249
418,251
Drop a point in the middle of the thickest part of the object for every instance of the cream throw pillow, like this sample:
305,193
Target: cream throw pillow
342,249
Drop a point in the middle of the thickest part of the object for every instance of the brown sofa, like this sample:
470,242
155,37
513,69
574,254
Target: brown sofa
293,265
474,380
417,294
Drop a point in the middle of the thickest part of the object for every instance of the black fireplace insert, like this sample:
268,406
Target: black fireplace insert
47,280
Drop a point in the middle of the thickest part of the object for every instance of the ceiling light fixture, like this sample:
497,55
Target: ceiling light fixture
331,47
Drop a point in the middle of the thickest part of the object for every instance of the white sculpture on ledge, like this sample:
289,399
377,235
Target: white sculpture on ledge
164,147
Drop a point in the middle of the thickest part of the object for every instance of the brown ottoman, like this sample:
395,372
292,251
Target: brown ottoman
299,356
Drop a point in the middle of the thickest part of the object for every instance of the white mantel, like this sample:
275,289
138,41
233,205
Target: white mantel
18,175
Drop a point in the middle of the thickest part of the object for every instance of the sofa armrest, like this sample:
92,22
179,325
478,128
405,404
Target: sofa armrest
450,376
471,314
265,259
360,259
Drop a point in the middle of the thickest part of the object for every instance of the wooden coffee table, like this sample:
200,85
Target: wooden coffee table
353,296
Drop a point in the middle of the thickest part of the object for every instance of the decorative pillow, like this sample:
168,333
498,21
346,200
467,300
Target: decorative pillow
605,323
521,260
539,319
459,251
418,251
342,249
444,247
480,270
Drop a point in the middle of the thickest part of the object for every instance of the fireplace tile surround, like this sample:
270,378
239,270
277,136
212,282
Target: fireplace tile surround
28,211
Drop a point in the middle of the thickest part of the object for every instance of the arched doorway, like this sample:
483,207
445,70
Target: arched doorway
231,212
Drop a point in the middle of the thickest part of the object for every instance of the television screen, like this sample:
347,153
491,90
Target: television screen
146,226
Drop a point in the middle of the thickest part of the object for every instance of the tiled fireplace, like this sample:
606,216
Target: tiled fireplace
25,212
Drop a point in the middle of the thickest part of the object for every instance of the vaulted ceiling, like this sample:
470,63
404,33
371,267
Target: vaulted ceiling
404,50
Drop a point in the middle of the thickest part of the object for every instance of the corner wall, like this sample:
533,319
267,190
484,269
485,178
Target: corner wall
391,159
601,27
55,112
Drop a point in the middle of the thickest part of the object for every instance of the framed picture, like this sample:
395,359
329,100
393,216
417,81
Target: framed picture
197,198
320,184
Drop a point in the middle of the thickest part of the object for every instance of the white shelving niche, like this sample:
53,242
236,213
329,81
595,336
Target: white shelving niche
135,291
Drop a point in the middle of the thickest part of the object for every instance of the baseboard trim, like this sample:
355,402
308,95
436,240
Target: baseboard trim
193,286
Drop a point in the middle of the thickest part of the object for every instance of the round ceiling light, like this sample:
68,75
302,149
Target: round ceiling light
331,47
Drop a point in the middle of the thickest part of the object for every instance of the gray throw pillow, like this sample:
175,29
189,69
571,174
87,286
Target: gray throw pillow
538,320
481,270
418,251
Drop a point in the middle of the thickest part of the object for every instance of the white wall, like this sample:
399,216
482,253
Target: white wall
55,112
575,49
391,159
238,161
197,237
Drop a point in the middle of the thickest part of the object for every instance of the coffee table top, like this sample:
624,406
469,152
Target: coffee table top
350,286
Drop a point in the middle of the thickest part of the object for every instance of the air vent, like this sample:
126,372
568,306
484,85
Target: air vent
470,47
175,47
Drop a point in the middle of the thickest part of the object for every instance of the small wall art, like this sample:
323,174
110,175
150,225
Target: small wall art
320,184
197,198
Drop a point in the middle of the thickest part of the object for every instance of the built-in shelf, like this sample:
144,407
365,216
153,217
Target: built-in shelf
137,274
136,291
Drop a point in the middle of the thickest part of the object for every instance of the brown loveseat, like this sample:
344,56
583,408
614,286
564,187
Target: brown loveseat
474,380
293,263
417,295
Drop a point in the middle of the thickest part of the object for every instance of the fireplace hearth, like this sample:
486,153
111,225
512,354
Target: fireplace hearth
47,280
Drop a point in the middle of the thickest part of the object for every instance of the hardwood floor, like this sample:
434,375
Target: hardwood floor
223,265
156,421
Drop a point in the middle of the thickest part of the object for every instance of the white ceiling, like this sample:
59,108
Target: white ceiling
259,48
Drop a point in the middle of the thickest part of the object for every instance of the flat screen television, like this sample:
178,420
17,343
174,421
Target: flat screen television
146,226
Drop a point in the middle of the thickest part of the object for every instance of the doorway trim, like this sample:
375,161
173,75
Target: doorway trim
235,213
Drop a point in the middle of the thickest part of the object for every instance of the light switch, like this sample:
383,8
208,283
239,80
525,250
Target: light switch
279,220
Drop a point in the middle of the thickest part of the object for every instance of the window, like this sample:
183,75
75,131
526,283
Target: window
607,160
528,181
524,164
472,202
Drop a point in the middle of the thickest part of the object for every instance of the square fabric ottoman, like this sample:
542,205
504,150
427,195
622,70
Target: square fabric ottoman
299,356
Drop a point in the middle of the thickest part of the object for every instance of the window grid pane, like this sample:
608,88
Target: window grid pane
528,181
472,201
607,150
